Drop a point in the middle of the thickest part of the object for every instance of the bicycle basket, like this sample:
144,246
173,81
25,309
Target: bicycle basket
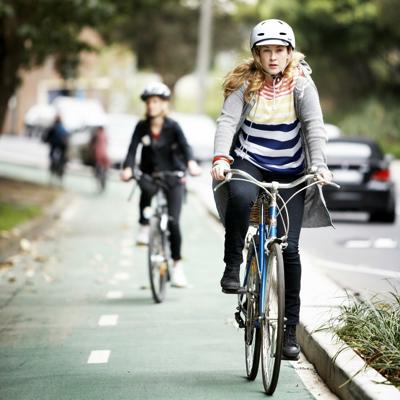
147,184
254,218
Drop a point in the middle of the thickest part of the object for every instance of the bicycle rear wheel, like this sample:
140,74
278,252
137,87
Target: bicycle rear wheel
252,335
158,260
272,325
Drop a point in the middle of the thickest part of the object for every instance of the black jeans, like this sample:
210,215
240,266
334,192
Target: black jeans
241,198
174,196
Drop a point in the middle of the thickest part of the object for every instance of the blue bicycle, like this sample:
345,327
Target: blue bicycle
261,299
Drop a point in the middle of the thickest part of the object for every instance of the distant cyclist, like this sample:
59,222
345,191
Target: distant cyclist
99,156
164,148
57,137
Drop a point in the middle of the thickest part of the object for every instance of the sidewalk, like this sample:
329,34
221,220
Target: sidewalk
321,298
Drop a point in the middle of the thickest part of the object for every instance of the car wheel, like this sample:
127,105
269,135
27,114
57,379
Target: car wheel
383,216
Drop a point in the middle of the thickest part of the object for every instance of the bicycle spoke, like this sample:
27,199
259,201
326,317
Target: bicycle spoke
250,312
273,320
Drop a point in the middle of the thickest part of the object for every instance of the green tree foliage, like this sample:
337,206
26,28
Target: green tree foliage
353,43
164,34
31,31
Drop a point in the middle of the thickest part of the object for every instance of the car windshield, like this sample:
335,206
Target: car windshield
348,150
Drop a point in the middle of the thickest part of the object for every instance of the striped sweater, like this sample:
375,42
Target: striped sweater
270,135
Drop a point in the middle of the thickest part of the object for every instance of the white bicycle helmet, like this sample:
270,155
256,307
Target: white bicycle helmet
156,89
272,31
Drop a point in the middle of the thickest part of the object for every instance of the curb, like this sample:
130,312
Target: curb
343,371
31,229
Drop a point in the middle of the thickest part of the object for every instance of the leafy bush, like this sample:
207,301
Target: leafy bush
372,329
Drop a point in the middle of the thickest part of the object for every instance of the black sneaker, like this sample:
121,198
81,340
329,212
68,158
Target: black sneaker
230,281
291,348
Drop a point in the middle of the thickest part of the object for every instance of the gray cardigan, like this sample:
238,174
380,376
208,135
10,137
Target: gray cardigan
313,135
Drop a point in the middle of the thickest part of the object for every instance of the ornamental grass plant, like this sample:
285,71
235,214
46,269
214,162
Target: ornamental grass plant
372,329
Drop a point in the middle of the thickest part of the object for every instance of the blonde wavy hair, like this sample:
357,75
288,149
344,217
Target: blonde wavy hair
252,71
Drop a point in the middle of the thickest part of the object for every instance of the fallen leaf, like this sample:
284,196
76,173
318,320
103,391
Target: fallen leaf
7,264
41,259
25,245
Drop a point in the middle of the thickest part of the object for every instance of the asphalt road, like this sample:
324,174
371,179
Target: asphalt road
361,256
78,322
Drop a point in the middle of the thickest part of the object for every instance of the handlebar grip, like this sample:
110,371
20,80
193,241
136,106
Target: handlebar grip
335,185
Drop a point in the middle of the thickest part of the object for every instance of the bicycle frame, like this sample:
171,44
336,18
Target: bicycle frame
268,231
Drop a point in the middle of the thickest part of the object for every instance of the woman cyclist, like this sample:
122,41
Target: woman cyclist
164,148
271,126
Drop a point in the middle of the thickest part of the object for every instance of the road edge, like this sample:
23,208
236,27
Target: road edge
33,228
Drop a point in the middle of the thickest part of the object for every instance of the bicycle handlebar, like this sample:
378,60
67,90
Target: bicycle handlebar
274,184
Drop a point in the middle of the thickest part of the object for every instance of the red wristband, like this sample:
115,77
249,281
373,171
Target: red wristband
221,158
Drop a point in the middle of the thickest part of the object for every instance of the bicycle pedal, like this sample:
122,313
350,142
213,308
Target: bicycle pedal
240,290
239,319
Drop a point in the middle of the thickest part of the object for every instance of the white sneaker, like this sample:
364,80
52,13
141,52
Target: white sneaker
178,276
143,235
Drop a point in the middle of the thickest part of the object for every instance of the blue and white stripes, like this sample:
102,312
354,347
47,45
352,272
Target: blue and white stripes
271,139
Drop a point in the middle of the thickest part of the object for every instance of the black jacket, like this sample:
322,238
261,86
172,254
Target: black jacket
169,152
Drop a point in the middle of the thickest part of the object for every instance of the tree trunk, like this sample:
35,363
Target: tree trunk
11,51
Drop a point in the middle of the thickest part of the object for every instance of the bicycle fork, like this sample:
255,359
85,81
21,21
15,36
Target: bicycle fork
266,235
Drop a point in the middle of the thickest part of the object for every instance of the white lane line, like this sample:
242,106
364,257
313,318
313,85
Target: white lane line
385,243
359,268
126,252
358,244
127,243
125,263
380,243
114,294
99,357
122,276
108,320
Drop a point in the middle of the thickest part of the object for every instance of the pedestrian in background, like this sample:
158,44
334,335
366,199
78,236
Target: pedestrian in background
57,137
271,126
101,161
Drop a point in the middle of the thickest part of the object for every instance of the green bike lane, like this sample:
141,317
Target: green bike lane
78,322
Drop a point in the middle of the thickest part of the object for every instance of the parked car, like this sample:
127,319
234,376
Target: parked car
119,130
199,131
332,131
362,170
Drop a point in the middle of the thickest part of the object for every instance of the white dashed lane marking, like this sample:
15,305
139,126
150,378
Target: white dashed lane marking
122,276
126,252
108,320
125,263
99,357
359,269
380,243
114,294
127,243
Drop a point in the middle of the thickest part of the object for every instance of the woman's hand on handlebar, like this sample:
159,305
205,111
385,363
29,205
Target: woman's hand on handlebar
219,170
126,174
324,175
194,168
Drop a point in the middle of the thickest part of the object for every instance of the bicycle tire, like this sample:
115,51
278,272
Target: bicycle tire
272,325
252,334
158,261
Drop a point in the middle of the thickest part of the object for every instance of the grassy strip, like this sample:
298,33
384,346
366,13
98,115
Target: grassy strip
372,329
12,215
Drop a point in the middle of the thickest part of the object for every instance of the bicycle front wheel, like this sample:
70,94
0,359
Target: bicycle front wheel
272,325
158,261
252,333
